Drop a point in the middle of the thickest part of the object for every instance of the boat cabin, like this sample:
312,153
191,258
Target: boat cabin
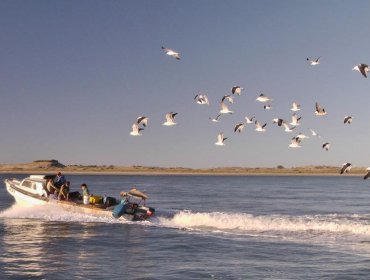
35,184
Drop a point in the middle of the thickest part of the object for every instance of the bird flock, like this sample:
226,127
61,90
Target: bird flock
227,100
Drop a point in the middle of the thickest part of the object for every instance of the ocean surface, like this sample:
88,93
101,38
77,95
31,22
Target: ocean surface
206,227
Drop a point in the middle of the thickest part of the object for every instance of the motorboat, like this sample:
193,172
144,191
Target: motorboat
32,191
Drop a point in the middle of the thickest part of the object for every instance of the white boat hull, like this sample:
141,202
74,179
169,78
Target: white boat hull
22,198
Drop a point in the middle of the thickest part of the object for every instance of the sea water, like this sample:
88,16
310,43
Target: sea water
206,227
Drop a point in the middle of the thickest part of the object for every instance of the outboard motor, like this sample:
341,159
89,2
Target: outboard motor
120,209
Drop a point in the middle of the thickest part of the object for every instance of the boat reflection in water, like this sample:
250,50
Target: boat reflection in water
24,251
45,242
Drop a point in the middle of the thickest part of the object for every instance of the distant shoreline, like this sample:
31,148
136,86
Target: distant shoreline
188,174
53,166
195,172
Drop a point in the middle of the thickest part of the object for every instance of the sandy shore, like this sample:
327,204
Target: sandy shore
297,171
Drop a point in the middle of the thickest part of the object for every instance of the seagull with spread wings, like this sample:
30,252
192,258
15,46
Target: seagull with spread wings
239,127
346,167
367,175
216,118
314,133
225,109
278,121
220,139
142,120
320,111
249,120
201,99
348,119
313,62
236,90
295,120
362,68
259,127
136,130
171,52
294,143
295,107
326,146
170,119
263,98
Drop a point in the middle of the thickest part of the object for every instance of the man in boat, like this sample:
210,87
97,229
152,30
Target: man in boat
50,187
64,191
85,193
59,180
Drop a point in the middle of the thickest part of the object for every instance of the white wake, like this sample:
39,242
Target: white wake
281,224
237,223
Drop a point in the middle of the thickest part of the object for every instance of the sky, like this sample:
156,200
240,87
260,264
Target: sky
75,75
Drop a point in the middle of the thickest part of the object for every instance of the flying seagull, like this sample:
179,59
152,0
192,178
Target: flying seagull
249,120
239,127
220,139
236,90
259,127
301,136
367,174
348,119
170,119
201,99
314,133
225,109
287,128
295,120
135,130
171,52
295,107
294,143
216,118
281,122
362,68
142,120
320,111
228,98
267,107
263,98
346,168
326,146
278,121
314,61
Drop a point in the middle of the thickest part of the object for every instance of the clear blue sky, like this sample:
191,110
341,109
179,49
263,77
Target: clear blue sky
75,75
